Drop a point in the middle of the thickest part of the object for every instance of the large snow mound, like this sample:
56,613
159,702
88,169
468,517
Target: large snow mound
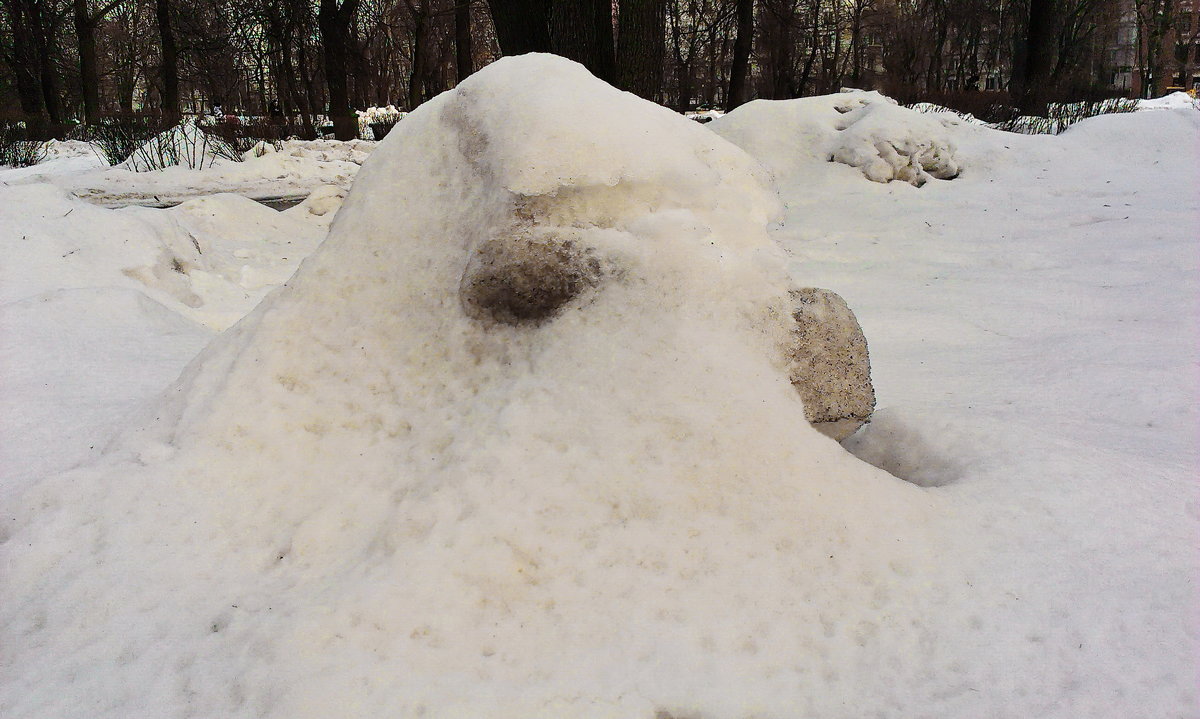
364,501
865,130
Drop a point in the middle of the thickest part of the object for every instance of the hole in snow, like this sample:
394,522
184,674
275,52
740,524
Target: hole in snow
905,450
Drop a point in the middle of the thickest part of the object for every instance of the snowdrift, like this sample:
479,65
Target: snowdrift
865,130
379,495
185,145
1171,101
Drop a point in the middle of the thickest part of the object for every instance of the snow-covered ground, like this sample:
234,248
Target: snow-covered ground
296,170
359,501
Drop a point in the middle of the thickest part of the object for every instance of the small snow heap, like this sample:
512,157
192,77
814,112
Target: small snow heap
888,142
260,149
865,130
930,108
518,440
1177,100
378,116
703,116
184,144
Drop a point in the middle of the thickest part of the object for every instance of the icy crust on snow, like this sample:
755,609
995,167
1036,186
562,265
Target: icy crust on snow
361,501
865,130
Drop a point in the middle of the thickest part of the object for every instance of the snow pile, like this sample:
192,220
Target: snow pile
321,206
66,149
888,142
131,294
703,116
294,168
389,116
295,171
362,500
864,130
390,113
934,108
349,151
1173,101
184,145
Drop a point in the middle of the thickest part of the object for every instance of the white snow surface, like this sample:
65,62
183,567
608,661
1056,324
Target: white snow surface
1172,101
99,308
359,502
865,130
299,168
185,145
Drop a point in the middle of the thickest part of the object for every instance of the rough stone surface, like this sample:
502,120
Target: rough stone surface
829,363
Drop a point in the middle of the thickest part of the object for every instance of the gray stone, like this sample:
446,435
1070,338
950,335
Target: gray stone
829,363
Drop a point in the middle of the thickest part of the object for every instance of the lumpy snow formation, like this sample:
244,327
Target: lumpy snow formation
865,130
518,440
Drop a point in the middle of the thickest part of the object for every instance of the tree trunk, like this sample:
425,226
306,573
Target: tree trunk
1164,21
464,61
22,60
641,47
740,67
521,25
170,62
417,67
1030,83
856,43
334,23
89,76
47,73
581,30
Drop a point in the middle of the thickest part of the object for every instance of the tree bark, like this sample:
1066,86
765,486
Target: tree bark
89,76
521,25
582,30
170,61
463,52
48,75
334,23
740,67
22,60
641,47
417,67
1034,59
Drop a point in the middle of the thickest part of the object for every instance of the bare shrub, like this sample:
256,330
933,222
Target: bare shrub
17,149
118,137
